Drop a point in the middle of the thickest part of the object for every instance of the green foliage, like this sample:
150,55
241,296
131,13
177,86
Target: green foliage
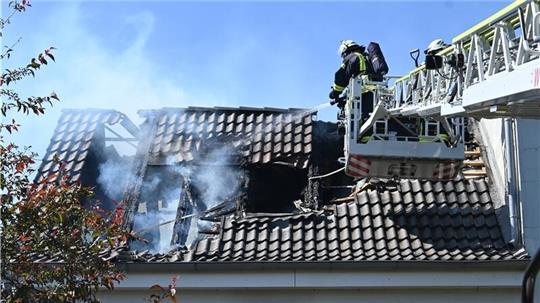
47,221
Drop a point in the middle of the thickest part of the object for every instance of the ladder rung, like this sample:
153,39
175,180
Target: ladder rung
476,163
474,176
474,152
475,172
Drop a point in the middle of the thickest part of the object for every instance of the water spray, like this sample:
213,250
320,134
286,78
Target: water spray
165,223
314,109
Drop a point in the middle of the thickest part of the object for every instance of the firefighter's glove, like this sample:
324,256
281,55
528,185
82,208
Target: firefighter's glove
334,94
341,102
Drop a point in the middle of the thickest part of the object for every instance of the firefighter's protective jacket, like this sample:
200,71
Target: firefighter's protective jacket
353,65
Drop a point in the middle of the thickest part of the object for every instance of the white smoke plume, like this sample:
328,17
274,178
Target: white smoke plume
215,182
218,180
114,176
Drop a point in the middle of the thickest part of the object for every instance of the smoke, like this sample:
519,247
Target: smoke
217,181
95,72
158,204
157,226
114,176
158,199
213,181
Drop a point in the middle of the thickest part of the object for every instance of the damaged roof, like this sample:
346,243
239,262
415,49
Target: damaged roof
262,135
73,139
408,221
415,220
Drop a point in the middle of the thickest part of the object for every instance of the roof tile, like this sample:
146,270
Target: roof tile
267,134
439,232
73,139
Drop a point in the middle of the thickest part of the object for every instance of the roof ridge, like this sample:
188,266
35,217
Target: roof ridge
90,109
223,108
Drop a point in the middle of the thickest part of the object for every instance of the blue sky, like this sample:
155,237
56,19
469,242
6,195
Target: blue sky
147,54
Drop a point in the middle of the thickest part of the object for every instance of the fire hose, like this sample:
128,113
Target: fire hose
327,175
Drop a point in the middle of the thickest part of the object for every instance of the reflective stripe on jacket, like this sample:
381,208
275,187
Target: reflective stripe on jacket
353,65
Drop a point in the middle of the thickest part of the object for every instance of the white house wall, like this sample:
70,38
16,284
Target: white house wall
529,165
304,285
491,131
491,295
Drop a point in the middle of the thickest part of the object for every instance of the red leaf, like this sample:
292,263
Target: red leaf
120,276
75,232
157,287
118,214
24,238
20,166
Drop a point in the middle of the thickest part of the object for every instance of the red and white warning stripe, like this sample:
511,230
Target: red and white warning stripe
446,170
536,77
357,166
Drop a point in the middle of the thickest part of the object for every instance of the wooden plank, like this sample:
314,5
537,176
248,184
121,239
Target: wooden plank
475,163
475,172
474,152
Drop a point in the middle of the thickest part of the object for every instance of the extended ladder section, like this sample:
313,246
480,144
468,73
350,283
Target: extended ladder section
415,129
490,70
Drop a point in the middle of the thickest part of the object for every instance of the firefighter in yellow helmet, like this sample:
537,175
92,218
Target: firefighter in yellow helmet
354,63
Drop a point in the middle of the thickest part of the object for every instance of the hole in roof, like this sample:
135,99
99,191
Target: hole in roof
274,188
158,206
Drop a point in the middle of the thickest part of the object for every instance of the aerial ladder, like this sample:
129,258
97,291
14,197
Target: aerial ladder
414,126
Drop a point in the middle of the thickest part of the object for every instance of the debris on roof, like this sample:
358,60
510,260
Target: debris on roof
244,184
418,220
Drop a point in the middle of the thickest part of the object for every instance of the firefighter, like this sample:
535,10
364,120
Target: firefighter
435,46
354,63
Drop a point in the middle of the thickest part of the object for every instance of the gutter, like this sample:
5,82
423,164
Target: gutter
458,266
512,182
